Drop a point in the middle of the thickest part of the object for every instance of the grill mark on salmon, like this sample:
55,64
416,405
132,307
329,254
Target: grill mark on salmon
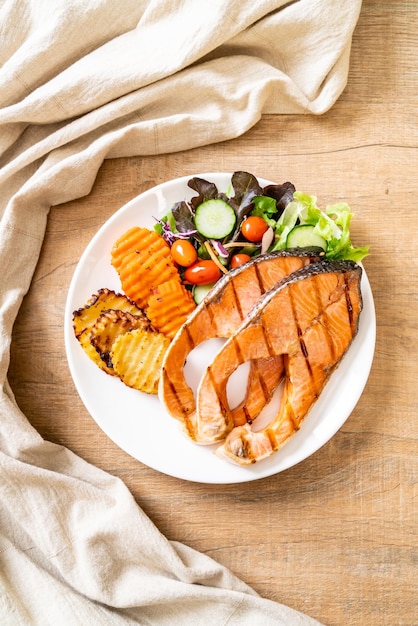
299,329
238,352
259,392
270,349
189,338
219,315
328,337
260,281
349,306
175,394
303,348
291,316
237,302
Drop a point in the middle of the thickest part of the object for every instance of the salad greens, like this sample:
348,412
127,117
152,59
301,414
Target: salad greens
332,225
281,206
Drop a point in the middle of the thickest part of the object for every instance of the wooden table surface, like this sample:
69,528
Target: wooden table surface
336,535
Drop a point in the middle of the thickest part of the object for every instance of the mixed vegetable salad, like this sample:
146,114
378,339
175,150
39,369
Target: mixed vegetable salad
216,231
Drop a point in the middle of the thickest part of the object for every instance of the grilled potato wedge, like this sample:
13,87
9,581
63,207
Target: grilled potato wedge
137,357
107,328
86,316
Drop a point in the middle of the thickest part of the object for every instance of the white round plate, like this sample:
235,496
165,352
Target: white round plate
138,423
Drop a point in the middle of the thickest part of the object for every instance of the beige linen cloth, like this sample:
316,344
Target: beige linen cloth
81,81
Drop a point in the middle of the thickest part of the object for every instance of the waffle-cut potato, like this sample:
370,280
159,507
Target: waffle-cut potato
143,261
169,307
107,328
137,357
85,317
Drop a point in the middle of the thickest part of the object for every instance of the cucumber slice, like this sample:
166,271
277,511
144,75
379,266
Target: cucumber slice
215,219
305,236
200,291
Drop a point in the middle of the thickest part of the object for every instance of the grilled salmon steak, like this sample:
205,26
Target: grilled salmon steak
309,319
219,315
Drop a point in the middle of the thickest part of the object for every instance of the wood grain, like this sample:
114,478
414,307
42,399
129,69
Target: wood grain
335,536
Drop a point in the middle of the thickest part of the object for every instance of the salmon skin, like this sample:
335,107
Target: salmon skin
309,319
219,315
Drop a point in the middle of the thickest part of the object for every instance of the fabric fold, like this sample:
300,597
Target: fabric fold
80,83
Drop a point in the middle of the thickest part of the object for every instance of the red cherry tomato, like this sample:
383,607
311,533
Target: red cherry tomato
183,252
202,272
239,259
253,228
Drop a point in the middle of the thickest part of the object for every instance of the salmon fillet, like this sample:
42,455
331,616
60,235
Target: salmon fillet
219,315
309,319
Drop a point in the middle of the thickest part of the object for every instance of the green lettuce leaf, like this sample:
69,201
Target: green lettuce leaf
266,208
333,225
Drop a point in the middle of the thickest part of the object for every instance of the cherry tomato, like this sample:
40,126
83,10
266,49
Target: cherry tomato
183,252
239,259
202,272
253,228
